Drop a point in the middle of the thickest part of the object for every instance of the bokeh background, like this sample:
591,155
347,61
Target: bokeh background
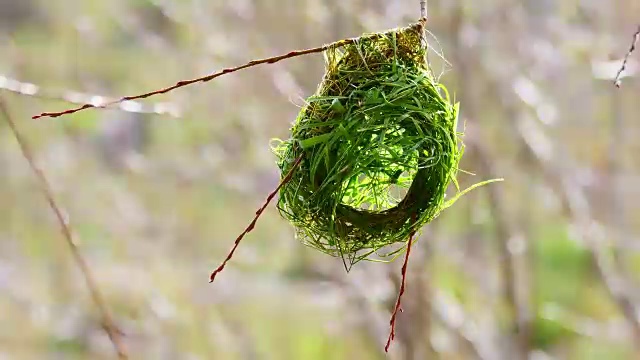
545,265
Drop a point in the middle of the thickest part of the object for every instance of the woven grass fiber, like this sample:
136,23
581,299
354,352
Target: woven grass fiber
379,149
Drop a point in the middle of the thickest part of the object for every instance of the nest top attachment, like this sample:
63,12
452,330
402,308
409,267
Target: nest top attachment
379,148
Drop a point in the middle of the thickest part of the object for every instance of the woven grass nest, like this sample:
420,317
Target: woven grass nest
379,148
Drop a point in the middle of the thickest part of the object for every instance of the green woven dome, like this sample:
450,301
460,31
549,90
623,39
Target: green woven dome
379,148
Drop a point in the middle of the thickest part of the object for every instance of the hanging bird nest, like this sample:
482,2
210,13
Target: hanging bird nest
379,148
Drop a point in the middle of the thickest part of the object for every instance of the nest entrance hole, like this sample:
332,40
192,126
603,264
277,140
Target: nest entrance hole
383,174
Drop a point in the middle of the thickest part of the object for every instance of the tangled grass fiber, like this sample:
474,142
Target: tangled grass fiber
379,148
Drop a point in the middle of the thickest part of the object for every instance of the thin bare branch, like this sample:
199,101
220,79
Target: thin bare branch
206,78
397,308
183,83
108,323
636,37
81,98
252,224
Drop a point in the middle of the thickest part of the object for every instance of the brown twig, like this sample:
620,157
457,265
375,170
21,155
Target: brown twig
423,9
183,83
81,98
206,78
636,37
392,322
255,219
108,323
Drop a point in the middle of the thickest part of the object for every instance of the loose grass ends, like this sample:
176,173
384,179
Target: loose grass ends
108,323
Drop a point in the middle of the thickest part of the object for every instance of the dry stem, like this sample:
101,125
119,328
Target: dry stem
81,98
397,308
206,78
98,299
636,37
255,219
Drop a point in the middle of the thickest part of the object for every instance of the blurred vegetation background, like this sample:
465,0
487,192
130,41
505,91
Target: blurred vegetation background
545,265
